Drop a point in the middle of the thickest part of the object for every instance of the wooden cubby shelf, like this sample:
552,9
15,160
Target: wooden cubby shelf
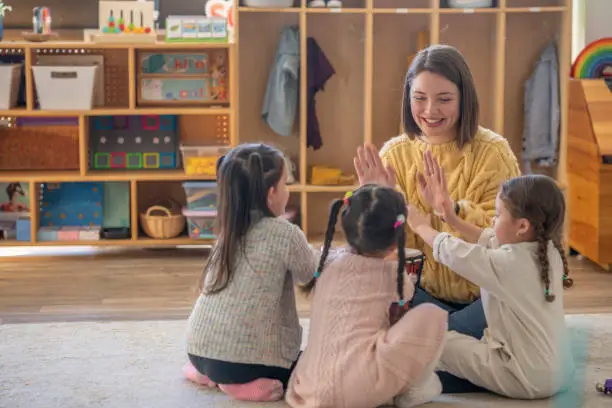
369,44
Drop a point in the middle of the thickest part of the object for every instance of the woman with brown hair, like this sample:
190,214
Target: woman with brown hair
441,115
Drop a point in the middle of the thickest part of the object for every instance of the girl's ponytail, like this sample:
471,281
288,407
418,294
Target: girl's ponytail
329,236
256,177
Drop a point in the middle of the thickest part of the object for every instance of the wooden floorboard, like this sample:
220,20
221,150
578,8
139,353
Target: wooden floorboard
159,284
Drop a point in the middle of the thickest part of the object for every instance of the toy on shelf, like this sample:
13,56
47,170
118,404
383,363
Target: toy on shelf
41,26
196,29
202,160
190,78
201,208
605,387
134,142
324,175
222,9
201,223
126,22
201,195
594,61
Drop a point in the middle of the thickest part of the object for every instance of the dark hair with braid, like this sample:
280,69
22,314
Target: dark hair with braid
538,199
372,218
244,177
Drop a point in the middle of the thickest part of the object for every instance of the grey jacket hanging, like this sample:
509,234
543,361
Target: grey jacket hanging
281,100
542,112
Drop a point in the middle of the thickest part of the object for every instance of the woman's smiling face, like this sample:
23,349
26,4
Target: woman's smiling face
435,105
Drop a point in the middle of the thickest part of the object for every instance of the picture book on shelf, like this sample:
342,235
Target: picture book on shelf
14,200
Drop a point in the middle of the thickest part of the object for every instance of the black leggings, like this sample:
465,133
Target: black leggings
223,372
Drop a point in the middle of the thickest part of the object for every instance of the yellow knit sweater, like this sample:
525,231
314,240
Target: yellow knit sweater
474,174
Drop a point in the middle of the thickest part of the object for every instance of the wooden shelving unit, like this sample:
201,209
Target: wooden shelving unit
194,123
368,42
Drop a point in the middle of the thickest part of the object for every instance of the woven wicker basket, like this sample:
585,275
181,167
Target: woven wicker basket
162,226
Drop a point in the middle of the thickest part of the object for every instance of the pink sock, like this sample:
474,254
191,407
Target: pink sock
190,372
261,389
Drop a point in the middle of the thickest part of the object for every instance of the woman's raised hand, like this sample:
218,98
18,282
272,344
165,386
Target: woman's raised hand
370,168
433,185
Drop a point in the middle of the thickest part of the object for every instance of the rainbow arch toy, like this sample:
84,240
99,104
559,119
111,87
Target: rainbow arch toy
594,61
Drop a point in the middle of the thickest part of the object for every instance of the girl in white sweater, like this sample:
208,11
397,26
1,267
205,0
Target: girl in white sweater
521,269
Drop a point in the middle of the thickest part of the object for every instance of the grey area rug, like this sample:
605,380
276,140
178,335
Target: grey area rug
138,364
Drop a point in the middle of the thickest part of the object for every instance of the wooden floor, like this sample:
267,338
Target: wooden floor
111,284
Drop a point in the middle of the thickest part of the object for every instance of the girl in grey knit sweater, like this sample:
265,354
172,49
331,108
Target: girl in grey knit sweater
243,334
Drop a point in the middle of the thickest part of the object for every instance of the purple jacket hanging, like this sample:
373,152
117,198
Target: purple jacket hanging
319,71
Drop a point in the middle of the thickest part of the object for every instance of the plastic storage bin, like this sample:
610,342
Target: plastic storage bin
10,77
269,3
61,88
201,195
470,3
200,223
202,160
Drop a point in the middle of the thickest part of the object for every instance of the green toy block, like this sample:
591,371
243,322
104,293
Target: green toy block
134,161
102,161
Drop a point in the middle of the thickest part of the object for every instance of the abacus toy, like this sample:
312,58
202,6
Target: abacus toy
126,21
121,27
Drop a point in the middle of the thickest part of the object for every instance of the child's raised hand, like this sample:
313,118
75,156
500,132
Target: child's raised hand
417,218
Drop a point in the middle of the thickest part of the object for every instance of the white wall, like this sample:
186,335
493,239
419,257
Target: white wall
591,21
597,19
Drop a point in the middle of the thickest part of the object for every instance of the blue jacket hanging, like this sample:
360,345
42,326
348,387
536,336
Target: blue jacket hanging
542,112
281,100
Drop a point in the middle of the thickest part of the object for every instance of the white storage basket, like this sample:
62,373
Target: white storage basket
470,3
64,87
10,77
269,3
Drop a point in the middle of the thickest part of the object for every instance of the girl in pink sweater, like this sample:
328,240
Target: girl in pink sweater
356,356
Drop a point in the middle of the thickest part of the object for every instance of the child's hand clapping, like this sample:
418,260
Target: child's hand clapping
417,219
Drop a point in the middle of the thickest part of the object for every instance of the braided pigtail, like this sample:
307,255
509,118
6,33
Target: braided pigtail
401,257
544,263
567,281
329,236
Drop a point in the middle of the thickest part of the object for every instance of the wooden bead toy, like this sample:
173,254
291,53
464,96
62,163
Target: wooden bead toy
122,17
